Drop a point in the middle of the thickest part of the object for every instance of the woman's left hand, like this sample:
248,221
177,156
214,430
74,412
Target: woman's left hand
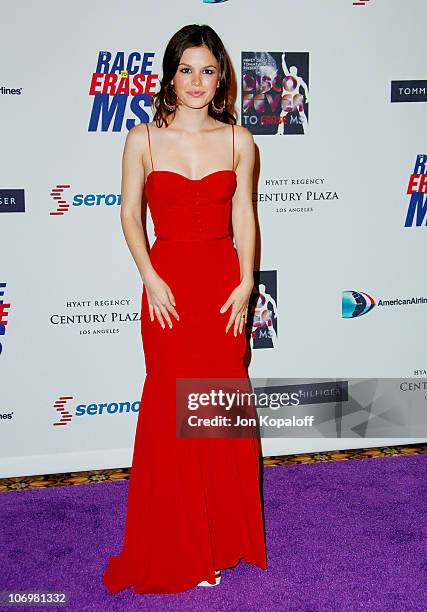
239,300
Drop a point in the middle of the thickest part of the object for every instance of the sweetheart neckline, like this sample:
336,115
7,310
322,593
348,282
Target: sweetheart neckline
186,177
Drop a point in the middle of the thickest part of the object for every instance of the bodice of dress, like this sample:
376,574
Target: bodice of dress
187,209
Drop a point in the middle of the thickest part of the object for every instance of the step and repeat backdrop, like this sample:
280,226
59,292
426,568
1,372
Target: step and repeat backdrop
335,95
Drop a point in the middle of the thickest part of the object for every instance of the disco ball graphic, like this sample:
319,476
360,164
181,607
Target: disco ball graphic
356,304
266,68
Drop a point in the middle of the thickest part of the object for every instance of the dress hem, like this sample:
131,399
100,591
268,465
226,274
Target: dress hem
191,584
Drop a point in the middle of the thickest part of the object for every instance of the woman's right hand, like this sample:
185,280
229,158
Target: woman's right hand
160,298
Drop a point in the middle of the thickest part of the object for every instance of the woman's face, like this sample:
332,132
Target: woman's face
196,78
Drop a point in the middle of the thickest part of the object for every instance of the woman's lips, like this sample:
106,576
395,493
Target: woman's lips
196,94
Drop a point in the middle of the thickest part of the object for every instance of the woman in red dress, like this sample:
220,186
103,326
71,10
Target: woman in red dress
194,503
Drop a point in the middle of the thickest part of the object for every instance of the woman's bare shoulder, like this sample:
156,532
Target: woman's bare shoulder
243,133
139,131
137,138
244,140
136,135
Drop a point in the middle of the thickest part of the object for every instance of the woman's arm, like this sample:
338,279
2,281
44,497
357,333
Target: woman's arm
133,178
243,220
160,298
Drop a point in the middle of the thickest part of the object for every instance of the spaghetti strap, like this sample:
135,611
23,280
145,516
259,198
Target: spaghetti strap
232,128
149,146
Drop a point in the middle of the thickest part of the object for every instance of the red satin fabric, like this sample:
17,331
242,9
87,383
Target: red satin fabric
194,504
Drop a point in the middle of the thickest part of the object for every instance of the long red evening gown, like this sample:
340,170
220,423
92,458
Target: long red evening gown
194,504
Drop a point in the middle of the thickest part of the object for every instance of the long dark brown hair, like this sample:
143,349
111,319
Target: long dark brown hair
194,35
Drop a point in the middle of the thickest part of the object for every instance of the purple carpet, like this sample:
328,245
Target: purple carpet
341,536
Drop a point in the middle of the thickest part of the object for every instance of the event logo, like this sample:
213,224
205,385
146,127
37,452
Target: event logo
356,304
409,91
66,415
275,92
417,189
4,308
360,2
296,195
79,199
12,200
264,310
420,372
122,84
10,91
96,317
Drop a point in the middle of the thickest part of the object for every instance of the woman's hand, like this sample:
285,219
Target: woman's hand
239,300
160,299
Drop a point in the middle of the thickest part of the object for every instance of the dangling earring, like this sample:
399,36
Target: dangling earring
169,107
218,110
214,108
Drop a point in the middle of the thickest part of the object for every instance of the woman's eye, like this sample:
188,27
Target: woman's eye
208,70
